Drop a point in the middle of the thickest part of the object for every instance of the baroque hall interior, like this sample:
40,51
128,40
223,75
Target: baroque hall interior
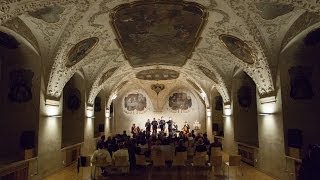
234,82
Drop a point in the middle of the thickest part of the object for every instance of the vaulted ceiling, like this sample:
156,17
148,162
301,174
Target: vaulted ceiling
203,42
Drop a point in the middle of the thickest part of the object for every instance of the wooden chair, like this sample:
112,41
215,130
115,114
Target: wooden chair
216,162
84,161
216,151
200,160
180,159
157,157
141,160
234,161
122,163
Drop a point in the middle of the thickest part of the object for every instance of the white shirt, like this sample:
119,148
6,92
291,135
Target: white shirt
101,157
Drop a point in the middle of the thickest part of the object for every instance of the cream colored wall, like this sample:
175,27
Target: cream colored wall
124,120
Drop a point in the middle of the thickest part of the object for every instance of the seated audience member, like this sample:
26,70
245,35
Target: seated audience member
192,134
101,141
122,151
206,140
181,147
200,146
101,158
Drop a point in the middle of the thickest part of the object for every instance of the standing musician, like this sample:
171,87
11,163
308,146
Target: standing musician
162,123
186,128
133,130
148,126
154,124
170,122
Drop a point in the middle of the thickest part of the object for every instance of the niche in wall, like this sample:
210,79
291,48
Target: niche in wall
73,111
20,85
245,109
300,82
99,115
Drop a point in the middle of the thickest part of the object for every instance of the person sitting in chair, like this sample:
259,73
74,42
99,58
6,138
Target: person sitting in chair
101,158
181,147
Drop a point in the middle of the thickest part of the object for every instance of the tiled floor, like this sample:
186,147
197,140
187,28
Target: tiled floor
186,173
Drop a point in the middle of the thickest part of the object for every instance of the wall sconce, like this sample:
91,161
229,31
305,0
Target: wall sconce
89,112
268,105
209,112
271,99
52,108
227,111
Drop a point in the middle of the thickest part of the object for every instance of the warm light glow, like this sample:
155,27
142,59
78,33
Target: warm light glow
227,123
51,126
107,113
208,112
52,110
90,112
227,112
269,125
268,108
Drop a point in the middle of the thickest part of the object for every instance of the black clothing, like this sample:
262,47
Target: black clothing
162,123
181,148
154,126
201,148
170,125
148,127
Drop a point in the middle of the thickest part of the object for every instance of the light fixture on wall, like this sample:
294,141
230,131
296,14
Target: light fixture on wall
227,111
89,112
52,108
268,105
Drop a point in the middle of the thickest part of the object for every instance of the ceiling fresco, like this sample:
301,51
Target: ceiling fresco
273,10
238,48
208,73
80,50
157,74
162,33
107,74
48,14
152,33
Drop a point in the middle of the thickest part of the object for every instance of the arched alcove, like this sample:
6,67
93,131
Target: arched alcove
300,72
99,114
73,115
20,71
217,113
244,106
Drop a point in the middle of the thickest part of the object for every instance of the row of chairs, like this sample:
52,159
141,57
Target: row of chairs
180,159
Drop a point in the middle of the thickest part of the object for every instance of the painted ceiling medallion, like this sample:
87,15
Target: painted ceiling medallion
8,41
48,14
107,74
208,73
157,74
157,87
238,48
158,32
270,11
80,50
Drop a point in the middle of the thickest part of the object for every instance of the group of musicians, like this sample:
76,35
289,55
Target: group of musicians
161,123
